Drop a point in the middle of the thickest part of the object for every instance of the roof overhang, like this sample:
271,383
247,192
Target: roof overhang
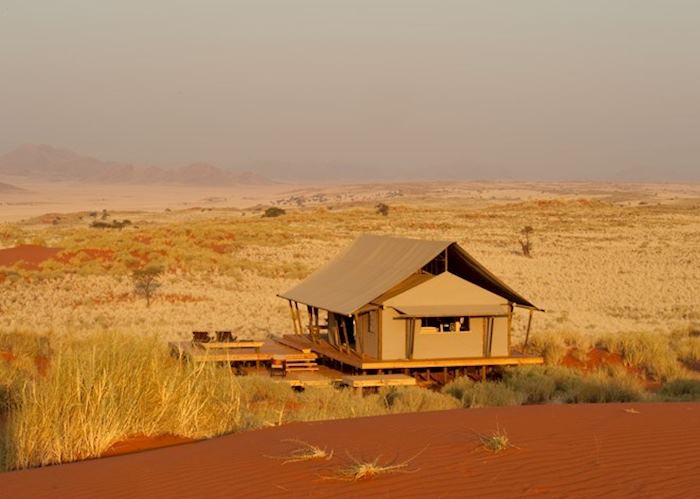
418,311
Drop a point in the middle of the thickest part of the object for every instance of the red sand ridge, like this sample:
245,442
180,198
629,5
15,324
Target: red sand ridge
612,450
28,256
137,443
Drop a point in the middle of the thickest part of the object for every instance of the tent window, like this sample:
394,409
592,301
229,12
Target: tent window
372,322
368,321
446,324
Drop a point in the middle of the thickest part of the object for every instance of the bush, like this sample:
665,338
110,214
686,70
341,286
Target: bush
382,209
478,394
680,390
273,212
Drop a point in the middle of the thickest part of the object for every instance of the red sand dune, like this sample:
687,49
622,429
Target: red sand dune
30,254
615,450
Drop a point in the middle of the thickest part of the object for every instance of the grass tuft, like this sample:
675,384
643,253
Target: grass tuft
368,469
495,442
307,452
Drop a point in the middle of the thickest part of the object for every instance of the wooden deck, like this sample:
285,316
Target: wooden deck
253,352
324,349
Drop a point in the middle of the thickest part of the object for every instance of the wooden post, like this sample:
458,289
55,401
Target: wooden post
510,324
529,324
310,313
318,325
380,332
294,320
344,336
359,334
298,315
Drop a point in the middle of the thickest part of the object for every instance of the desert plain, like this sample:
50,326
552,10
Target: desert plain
614,266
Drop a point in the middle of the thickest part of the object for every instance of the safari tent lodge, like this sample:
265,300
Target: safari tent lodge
395,303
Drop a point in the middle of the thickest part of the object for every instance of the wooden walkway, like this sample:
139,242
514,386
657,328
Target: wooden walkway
324,349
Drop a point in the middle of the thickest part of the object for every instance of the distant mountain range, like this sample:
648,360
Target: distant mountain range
45,162
7,188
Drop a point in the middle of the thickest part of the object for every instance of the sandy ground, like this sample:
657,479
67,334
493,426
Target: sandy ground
615,450
39,198
63,197
30,255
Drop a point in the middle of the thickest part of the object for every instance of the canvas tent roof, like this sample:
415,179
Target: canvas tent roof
372,265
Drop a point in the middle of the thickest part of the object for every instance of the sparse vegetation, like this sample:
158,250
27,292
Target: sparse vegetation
221,269
114,224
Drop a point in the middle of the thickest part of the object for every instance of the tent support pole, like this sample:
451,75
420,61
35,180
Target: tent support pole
294,321
298,316
529,325
510,324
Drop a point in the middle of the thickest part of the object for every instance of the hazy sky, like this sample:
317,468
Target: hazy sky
359,89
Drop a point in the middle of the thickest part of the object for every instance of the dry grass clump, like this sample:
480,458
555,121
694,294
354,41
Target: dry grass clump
102,390
105,388
307,452
496,441
415,399
685,390
548,384
549,345
556,384
653,353
359,469
686,344
477,394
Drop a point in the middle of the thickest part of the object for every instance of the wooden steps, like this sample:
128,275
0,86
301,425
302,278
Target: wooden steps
378,380
302,361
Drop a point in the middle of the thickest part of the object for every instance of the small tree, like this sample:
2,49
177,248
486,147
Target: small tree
525,242
147,282
382,209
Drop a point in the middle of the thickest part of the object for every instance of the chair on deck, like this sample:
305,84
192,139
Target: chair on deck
225,337
201,337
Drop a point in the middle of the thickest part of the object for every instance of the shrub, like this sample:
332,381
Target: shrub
382,209
273,212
